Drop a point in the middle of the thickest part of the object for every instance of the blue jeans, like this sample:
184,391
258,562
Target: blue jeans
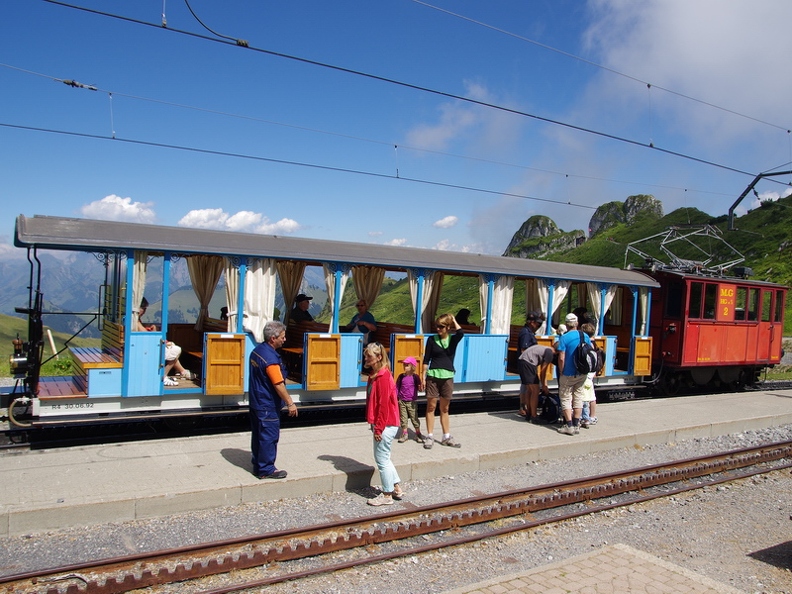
382,457
264,437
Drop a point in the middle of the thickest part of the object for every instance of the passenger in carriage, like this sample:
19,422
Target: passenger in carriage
526,339
363,321
299,312
463,316
438,377
172,350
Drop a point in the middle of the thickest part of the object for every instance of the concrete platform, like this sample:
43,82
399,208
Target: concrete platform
614,569
52,489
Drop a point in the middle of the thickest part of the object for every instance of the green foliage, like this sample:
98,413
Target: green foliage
11,327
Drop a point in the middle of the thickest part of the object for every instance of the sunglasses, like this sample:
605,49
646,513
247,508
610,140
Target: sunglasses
361,305
441,326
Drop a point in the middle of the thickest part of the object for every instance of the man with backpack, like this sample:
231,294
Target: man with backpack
571,380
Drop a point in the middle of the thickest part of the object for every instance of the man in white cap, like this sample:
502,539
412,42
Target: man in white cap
570,382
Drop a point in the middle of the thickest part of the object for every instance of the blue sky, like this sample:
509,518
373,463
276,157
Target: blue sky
185,130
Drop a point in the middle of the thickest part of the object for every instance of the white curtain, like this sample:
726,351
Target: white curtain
259,296
290,273
332,298
138,284
643,296
559,292
368,282
502,298
594,297
232,293
204,272
433,283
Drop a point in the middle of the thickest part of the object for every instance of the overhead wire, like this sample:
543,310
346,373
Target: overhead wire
289,162
413,86
387,143
600,66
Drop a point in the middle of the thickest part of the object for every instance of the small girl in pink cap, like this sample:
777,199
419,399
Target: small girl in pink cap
407,386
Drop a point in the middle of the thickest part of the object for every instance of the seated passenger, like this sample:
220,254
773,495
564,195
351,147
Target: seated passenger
299,312
172,350
462,317
363,321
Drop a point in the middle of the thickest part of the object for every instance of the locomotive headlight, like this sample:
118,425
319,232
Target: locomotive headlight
18,364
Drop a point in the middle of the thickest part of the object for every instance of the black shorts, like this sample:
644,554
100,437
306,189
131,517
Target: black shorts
527,372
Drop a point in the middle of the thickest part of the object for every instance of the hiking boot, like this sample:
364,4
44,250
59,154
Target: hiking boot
449,441
566,429
380,499
428,442
575,429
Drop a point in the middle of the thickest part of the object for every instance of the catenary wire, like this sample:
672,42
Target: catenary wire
413,86
601,66
76,84
294,163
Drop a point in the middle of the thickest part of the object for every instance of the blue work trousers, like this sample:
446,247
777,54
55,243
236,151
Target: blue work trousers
264,436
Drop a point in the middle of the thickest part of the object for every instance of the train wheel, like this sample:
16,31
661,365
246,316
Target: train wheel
670,383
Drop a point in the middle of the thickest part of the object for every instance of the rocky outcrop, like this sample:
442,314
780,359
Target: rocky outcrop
539,236
613,213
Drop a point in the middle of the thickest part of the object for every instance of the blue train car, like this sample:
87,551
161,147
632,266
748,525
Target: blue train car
125,374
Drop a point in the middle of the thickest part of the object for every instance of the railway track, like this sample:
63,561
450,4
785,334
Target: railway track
264,559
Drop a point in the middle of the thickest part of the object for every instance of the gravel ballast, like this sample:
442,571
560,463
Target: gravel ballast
738,533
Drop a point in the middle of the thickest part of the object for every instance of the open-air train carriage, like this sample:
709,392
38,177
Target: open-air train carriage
125,373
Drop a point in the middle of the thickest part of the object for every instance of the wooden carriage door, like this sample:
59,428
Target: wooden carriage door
323,362
403,346
224,364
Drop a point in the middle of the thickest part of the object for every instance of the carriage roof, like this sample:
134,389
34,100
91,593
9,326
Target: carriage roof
61,233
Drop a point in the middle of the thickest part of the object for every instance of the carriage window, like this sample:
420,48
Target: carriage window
779,306
696,298
674,301
710,300
740,302
767,302
753,304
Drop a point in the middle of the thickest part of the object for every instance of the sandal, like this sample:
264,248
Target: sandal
397,495
403,437
170,382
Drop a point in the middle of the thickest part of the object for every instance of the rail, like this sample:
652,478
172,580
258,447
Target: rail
123,574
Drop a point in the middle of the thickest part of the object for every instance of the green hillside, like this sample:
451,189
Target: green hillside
11,327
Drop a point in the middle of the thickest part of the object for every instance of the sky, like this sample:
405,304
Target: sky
438,124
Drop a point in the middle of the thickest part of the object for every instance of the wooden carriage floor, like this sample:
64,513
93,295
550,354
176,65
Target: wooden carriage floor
60,387
51,388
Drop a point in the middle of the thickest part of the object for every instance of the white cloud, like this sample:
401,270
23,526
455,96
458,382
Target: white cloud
480,125
397,242
8,250
375,233
446,222
243,221
115,208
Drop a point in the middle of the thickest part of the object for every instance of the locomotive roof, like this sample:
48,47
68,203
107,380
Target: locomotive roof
95,236
689,274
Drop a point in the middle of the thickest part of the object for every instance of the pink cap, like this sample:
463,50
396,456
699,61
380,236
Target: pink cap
410,361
